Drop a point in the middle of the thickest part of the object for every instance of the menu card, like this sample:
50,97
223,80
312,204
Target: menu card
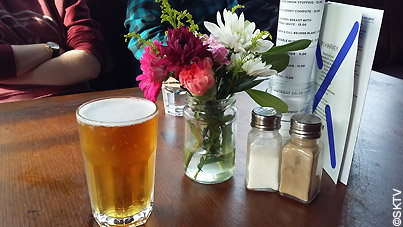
344,58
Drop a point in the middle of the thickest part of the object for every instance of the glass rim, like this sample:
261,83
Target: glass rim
81,119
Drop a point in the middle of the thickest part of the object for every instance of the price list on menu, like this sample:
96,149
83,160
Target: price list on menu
297,20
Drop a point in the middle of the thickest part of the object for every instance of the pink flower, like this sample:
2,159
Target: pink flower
217,49
198,79
182,49
153,72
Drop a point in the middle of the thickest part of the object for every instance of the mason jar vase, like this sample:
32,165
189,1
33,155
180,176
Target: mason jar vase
209,143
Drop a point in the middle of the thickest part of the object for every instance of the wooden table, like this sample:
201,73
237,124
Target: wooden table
42,179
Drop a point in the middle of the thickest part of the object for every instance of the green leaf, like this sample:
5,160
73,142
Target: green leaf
278,61
293,46
265,99
247,84
210,159
208,95
224,119
278,55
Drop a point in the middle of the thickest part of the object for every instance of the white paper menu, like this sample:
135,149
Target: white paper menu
337,51
343,61
368,38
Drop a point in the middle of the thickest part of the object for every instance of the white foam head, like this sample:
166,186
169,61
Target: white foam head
116,111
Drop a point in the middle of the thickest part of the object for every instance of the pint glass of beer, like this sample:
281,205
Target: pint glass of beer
118,137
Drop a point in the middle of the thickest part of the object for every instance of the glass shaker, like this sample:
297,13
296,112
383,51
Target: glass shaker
302,162
264,150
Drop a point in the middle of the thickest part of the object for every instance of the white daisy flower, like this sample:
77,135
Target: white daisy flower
252,66
262,46
255,67
237,33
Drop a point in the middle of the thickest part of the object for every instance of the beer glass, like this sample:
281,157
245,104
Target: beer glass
118,137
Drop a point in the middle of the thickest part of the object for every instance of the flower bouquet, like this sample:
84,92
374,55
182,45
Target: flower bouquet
235,57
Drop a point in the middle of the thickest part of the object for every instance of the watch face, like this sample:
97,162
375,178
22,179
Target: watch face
53,45
55,48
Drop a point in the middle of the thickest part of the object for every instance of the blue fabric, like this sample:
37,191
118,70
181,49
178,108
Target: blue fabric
143,17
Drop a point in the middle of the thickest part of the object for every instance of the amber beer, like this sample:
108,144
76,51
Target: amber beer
118,139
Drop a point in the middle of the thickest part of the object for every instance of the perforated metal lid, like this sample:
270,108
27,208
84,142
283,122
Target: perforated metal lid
306,126
266,118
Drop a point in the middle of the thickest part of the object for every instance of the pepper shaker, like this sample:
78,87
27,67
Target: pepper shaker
302,162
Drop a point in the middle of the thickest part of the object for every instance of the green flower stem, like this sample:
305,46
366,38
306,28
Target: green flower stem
188,157
196,133
211,139
209,130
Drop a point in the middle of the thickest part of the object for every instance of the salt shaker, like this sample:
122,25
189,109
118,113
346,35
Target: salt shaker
302,162
264,150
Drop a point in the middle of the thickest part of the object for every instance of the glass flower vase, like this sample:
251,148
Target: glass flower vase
209,143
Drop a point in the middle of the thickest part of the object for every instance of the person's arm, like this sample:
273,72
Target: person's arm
69,68
29,56
17,59
83,33
143,17
81,63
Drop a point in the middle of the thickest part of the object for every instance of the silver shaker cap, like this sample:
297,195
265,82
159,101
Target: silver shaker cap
306,126
266,118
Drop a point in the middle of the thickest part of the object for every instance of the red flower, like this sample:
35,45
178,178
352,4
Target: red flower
183,48
198,79
153,73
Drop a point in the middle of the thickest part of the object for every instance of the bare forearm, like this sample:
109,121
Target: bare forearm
71,67
29,56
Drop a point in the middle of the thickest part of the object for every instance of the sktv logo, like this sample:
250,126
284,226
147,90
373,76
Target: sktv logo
397,207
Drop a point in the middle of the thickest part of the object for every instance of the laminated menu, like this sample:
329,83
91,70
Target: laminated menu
344,58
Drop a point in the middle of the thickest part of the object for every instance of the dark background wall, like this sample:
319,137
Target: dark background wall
120,63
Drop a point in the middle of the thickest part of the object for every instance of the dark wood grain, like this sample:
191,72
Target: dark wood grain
42,178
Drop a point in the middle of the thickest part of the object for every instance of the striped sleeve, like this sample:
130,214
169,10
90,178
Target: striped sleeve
143,17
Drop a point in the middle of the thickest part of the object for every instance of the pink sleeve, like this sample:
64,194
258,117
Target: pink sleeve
83,33
7,63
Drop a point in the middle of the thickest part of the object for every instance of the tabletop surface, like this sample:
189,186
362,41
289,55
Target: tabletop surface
42,178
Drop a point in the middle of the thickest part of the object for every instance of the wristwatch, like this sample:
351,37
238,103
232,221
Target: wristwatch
53,48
